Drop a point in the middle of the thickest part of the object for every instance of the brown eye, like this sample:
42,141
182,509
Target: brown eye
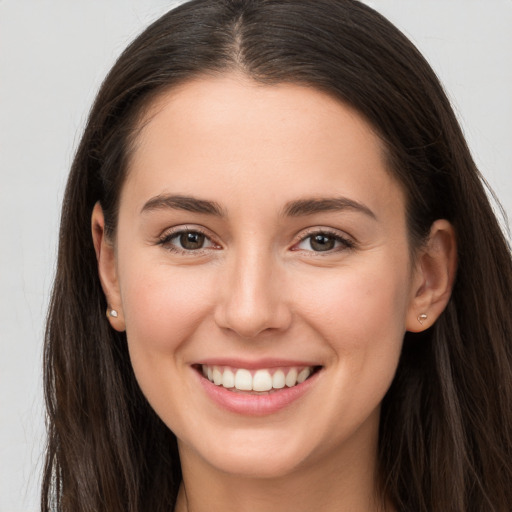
186,241
322,242
191,240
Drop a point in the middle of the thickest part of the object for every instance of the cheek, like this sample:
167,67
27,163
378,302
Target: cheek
361,314
359,299
163,307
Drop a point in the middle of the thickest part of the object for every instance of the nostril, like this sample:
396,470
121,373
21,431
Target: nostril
251,321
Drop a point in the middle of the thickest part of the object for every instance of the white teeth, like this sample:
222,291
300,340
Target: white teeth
291,378
262,381
228,379
278,380
243,380
303,375
259,380
217,376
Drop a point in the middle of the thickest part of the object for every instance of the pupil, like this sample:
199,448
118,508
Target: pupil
322,243
191,241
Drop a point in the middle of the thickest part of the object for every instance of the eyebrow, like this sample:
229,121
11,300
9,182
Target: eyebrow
185,203
298,208
311,206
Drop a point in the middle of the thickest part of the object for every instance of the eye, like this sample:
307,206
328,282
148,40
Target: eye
323,242
186,241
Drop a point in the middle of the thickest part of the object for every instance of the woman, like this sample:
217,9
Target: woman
307,292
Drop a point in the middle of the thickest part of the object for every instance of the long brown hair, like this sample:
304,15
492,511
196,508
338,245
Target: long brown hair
446,424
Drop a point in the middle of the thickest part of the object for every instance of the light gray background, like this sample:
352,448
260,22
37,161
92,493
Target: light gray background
53,55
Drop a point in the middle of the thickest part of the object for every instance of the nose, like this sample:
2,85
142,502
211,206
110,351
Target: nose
253,297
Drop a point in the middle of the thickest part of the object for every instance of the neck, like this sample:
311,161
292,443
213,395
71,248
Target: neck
341,482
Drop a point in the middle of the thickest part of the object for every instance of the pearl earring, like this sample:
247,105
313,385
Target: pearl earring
112,313
422,318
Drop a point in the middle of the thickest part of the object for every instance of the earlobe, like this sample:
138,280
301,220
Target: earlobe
434,276
107,271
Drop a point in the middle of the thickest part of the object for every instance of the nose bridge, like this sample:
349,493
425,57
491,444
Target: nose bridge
253,299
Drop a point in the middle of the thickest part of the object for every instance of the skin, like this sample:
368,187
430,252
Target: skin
258,289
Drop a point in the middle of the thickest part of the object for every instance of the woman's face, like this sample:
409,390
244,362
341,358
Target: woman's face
261,240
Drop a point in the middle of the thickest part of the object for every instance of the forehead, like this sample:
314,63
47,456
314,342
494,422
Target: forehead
230,101
229,134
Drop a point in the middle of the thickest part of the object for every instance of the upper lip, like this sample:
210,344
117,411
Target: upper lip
252,364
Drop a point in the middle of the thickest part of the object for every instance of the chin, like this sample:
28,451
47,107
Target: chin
254,457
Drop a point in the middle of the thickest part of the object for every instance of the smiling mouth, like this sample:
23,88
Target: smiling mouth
260,381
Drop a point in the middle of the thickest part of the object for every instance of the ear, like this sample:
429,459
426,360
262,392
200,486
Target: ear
433,278
107,270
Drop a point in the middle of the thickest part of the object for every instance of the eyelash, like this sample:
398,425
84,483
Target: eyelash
346,244
165,241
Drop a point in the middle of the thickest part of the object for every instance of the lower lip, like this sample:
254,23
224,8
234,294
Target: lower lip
256,405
